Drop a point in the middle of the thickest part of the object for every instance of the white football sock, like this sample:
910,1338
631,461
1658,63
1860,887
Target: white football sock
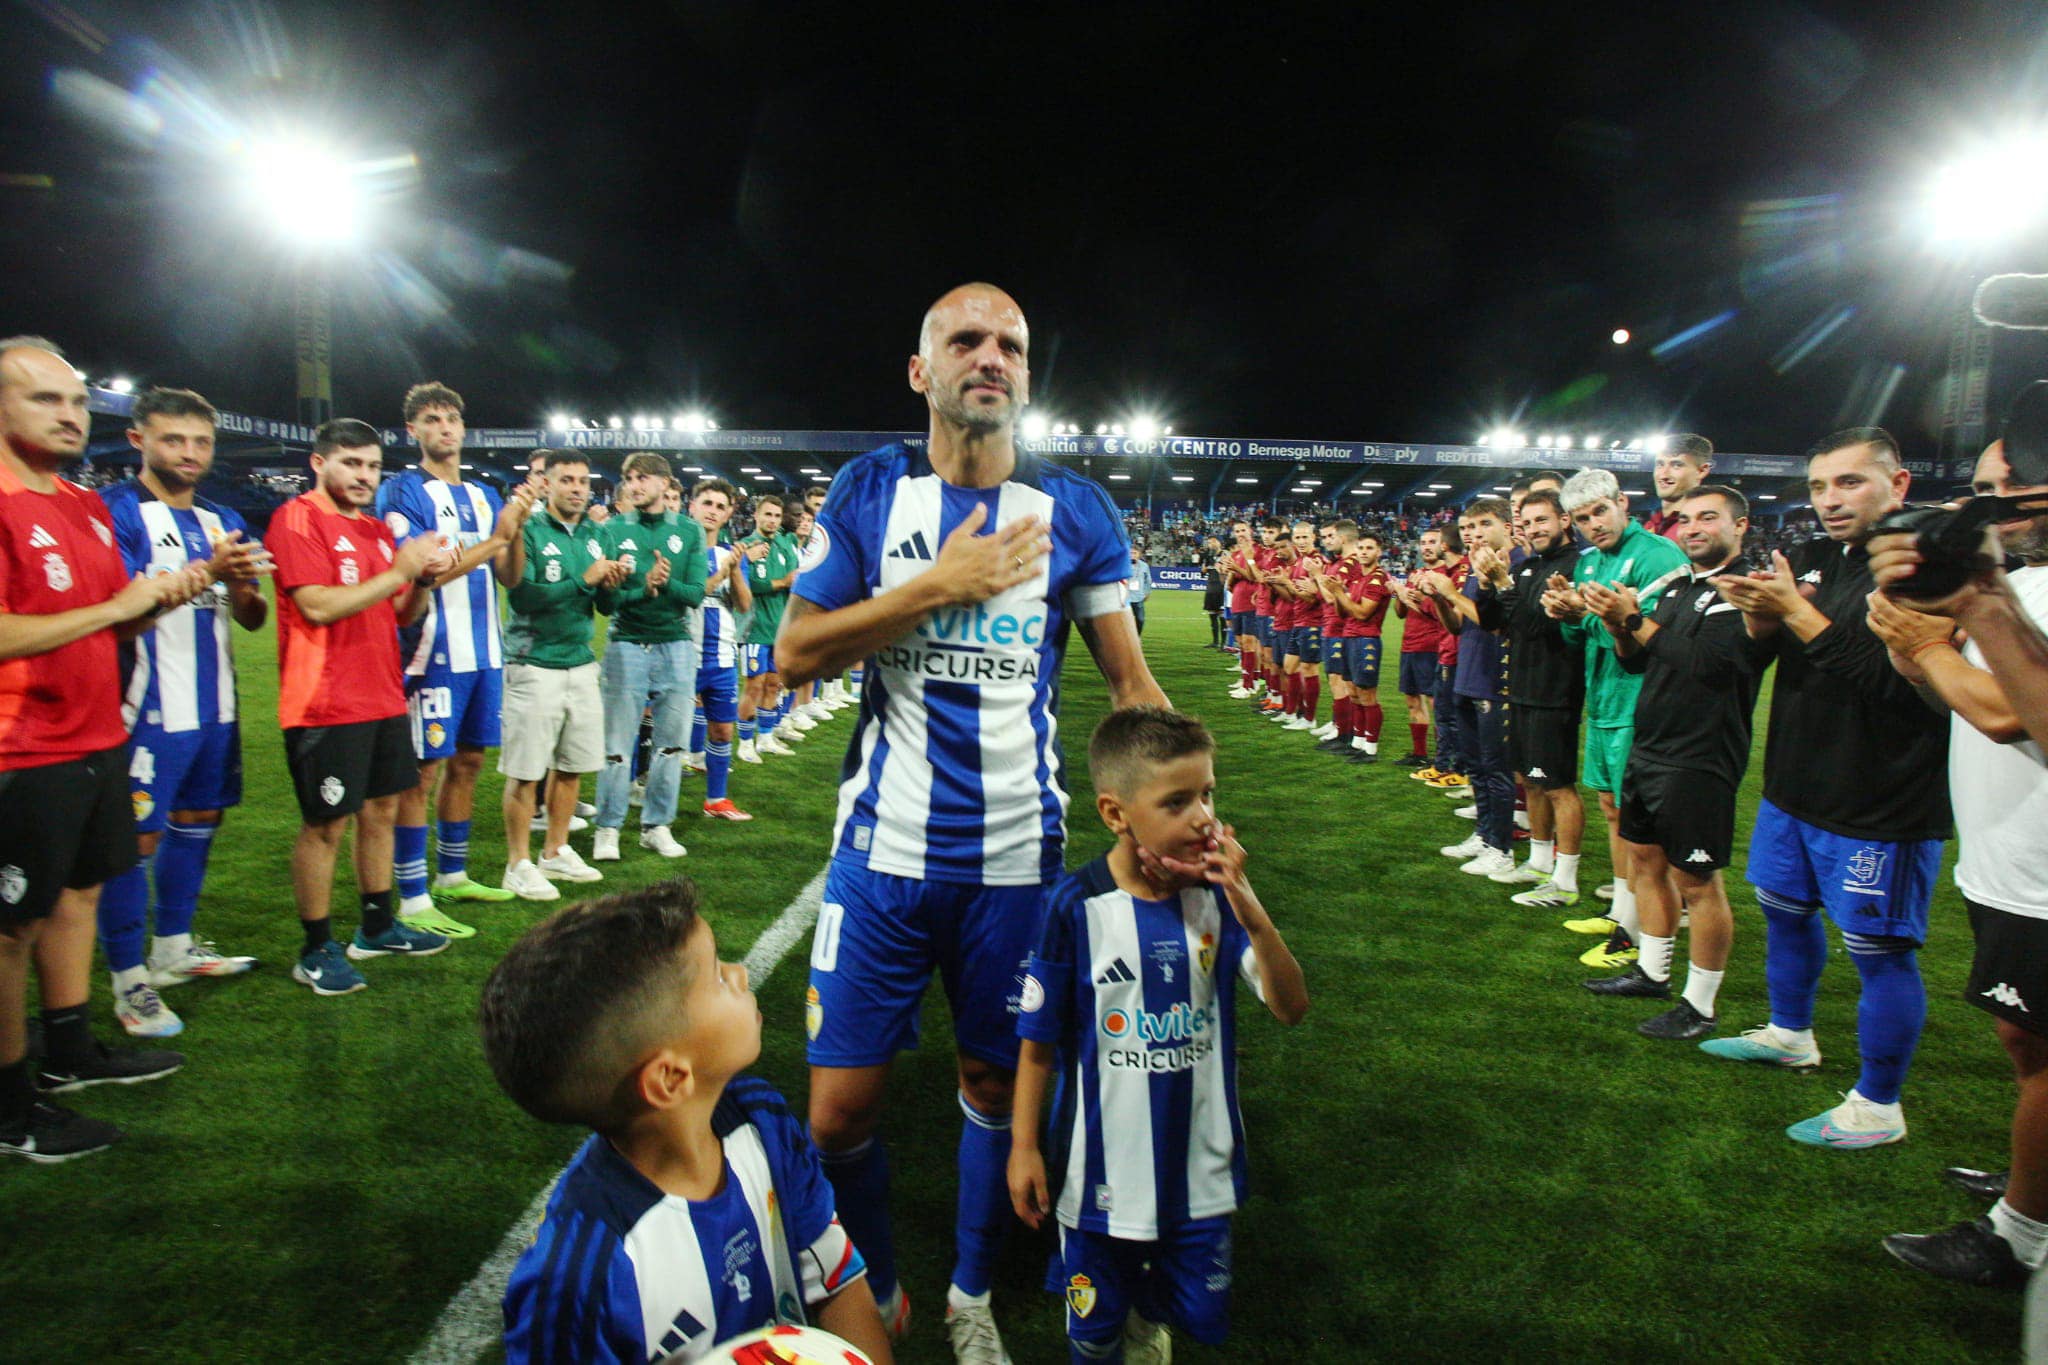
1655,959
1624,911
2027,1238
169,946
956,1297
1701,986
1542,854
1567,873
128,979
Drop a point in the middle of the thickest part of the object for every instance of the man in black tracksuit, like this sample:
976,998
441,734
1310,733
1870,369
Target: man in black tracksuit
1700,672
1546,690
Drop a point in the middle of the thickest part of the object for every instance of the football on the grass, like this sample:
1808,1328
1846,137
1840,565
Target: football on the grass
788,1344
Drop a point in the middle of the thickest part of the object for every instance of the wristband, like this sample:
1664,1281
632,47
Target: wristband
1931,644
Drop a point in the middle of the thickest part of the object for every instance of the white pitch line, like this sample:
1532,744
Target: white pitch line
472,1321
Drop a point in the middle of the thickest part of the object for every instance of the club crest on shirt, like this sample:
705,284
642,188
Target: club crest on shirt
144,804
1206,954
331,791
56,572
814,1013
1081,1295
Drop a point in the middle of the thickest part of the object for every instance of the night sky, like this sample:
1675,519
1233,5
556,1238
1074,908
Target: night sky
1257,220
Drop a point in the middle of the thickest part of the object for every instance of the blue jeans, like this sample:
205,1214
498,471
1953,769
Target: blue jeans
1483,728
632,675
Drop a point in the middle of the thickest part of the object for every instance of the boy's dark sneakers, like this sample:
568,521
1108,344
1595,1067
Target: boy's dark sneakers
1412,761
1681,1023
1334,746
1361,756
1631,982
1968,1252
1982,1184
106,1066
52,1133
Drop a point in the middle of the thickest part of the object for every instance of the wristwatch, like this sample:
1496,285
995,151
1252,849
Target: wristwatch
1632,622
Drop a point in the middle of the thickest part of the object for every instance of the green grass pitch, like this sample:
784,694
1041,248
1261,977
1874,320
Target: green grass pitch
1460,1155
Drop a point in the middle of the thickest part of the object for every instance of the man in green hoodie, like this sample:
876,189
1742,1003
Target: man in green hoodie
1622,553
650,656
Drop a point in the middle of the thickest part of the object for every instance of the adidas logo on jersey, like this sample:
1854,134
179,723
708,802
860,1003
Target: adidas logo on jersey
1115,972
550,551
1810,576
1698,855
1538,772
913,548
169,541
342,547
2008,997
39,539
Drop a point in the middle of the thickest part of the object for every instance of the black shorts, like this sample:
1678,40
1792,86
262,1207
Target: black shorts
1690,815
336,768
1418,673
1543,745
64,825
2009,974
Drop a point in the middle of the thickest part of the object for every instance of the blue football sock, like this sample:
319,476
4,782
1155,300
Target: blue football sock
717,768
782,708
409,860
451,847
1795,950
698,728
1890,1014
124,907
984,1210
860,1192
180,872
747,729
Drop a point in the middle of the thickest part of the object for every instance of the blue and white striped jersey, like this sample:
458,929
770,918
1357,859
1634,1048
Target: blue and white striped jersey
719,627
184,668
620,1271
954,773
1137,995
459,633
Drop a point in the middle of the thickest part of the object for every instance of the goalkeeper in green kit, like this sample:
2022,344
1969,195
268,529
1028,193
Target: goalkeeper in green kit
1620,551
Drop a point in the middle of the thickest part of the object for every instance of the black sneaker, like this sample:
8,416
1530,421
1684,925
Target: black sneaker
1681,1024
1630,982
53,1133
1983,1184
1412,761
1968,1252
1334,746
1361,756
106,1066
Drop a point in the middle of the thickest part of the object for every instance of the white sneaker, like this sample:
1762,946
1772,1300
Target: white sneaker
1488,861
1519,874
525,881
817,710
694,762
1371,746
1327,730
604,845
769,744
586,811
1521,820
838,701
1467,812
199,959
744,751
800,720
972,1330
788,733
143,1012
1241,693
567,865
1297,723
577,824
658,838
1465,848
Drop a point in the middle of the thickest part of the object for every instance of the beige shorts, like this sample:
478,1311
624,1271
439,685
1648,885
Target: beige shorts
553,721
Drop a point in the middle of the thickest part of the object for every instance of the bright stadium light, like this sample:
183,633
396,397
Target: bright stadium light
1116,428
1592,443
1033,427
1246,479
1101,429
1144,428
750,469
305,188
1119,478
121,383
1166,431
1183,478
657,423
1424,493
1440,487
559,422
1993,190
1620,336
617,422
695,422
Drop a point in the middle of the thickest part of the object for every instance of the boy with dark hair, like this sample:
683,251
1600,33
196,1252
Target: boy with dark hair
696,1212
1129,990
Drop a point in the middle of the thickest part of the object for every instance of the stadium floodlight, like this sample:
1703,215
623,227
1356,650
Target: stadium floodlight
639,422
750,469
1246,479
695,422
121,383
1620,336
693,469
1424,493
1101,429
1655,443
1116,428
1144,428
1592,443
1166,431
1441,487
1767,497
1119,478
305,188
657,423
1183,478
1311,483
1373,483
1033,427
559,422
1507,438
1991,191
617,422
